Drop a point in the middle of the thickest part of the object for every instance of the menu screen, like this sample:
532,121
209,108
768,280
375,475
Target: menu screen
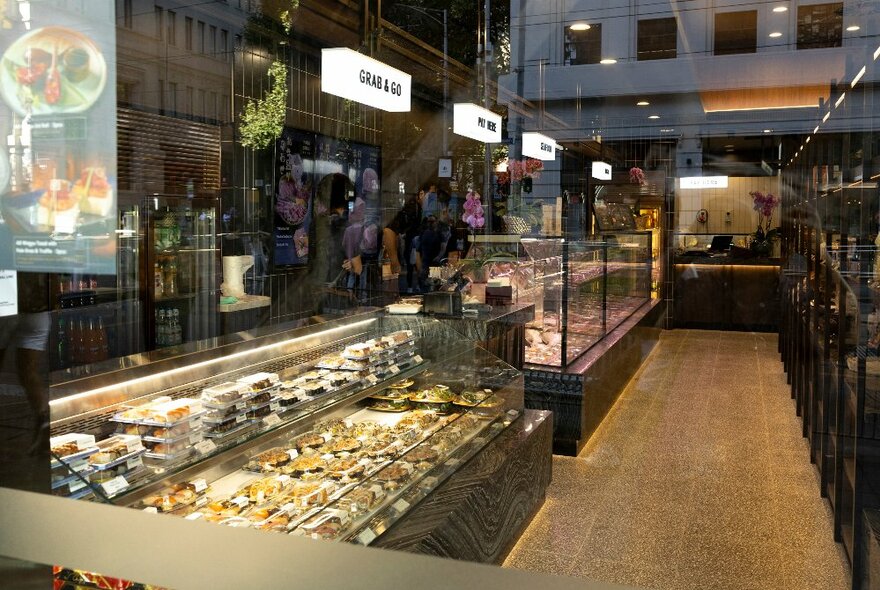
58,138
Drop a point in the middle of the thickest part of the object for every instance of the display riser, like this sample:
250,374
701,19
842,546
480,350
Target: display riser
581,396
481,510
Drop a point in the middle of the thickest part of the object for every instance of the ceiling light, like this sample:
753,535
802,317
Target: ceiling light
729,145
852,28
608,61
580,27
808,139
768,131
839,100
653,116
877,52
816,130
825,118
858,77
775,34
780,9
642,103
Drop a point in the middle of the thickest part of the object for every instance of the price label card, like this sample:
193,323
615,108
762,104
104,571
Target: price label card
240,501
195,438
135,462
114,486
77,485
401,505
372,379
293,454
193,516
289,508
395,369
201,501
151,510
206,446
199,485
240,418
272,420
274,407
239,406
283,479
418,358
366,537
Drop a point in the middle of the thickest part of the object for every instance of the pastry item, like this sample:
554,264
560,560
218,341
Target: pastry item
260,381
310,440
269,461
345,444
422,453
65,449
357,351
307,463
389,405
361,499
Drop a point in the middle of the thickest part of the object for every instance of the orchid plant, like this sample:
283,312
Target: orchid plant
473,210
764,204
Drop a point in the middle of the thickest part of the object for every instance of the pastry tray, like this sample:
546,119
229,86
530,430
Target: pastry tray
119,461
84,473
193,416
184,452
197,432
56,463
238,429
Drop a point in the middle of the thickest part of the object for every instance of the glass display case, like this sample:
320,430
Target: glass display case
333,431
581,290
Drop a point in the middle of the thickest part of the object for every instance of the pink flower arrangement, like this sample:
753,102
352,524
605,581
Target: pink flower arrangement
473,210
764,205
519,169
637,176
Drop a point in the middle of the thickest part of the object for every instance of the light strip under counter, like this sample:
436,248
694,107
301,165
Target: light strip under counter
82,398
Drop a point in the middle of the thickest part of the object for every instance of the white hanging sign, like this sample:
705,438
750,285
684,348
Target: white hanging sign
694,182
8,292
354,76
476,122
602,170
538,146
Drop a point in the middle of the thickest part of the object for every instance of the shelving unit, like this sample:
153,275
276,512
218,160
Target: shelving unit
830,304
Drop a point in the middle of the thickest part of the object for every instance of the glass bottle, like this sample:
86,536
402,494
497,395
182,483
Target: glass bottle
170,274
178,330
161,330
94,349
159,281
103,348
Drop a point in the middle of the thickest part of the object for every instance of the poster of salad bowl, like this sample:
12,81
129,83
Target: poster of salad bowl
52,70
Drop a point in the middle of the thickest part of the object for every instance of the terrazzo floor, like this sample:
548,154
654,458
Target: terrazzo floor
698,478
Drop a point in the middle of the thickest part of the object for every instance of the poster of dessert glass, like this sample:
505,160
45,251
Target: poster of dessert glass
58,116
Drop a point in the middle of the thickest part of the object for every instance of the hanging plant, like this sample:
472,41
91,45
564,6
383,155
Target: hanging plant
263,119
287,16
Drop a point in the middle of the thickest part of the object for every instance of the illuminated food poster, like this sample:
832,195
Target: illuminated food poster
294,197
58,163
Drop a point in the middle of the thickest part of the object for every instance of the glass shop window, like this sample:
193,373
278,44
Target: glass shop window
736,32
172,27
583,44
159,13
820,25
657,39
188,32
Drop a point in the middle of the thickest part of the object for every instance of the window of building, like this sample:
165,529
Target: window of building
736,32
127,15
201,37
202,104
224,43
188,33
172,97
171,20
820,25
212,39
657,39
583,46
190,107
161,96
159,15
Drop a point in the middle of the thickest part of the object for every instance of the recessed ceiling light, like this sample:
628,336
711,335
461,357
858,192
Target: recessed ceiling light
729,146
653,116
775,34
780,9
580,27
608,61
642,103
853,28
768,131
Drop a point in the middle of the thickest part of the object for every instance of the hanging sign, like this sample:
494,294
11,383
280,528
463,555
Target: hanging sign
476,122
540,147
693,182
602,170
8,293
354,76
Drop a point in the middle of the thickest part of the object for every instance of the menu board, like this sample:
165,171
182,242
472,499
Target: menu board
294,198
58,116
363,170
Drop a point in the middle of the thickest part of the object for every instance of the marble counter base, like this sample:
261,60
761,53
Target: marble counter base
480,511
582,395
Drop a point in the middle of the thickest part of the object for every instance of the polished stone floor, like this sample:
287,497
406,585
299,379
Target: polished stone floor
698,478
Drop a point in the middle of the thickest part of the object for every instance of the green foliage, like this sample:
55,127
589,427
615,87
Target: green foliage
263,119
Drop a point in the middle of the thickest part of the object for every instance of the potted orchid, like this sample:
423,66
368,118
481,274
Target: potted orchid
479,259
765,234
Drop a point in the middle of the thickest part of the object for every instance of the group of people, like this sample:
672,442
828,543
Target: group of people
425,232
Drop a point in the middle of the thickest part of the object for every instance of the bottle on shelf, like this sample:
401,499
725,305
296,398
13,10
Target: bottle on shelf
81,350
94,352
176,332
170,277
161,329
103,348
158,281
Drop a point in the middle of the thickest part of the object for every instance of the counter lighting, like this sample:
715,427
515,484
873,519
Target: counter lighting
201,364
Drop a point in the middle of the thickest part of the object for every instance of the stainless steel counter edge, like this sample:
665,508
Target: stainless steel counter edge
182,554
92,393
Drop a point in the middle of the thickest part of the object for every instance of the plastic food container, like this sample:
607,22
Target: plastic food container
162,413
260,381
115,451
70,447
225,395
